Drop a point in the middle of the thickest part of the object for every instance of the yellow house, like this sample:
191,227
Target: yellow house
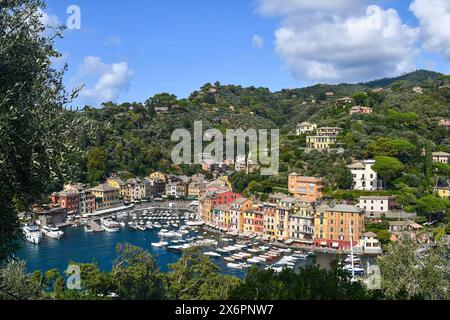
106,197
119,184
321,142
158,176
443,192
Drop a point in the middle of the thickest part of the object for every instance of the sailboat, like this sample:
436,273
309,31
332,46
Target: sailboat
354,269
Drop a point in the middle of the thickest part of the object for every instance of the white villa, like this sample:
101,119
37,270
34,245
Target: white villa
364,177
306,127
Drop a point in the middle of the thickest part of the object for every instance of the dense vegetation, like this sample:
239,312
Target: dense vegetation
135,275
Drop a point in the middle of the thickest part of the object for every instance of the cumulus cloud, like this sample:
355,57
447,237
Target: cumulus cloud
434,18
341,40
110,79
48,19
257,41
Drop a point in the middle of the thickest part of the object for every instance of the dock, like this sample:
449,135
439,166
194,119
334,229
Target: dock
95,226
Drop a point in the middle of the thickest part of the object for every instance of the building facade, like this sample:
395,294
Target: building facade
106,197
69,200
332,226
364,177
308,189
306,127
441,157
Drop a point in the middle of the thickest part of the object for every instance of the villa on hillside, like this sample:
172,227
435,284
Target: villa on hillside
441,157
306,127
360,110
364,177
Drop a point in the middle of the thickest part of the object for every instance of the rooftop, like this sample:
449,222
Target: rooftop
103,187
340,208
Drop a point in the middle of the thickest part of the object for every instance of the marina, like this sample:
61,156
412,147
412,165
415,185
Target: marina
165,233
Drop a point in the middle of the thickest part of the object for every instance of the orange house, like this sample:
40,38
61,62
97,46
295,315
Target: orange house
307,189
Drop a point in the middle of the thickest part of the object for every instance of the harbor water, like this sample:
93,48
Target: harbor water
81,247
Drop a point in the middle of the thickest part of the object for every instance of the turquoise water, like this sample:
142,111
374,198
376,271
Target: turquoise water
78,246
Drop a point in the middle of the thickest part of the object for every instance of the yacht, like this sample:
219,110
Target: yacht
212,254
109,225
32,233
237,265
159,244
52,232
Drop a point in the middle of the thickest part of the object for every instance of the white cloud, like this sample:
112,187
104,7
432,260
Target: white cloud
257,41
434,18
111,79
341,41
48,19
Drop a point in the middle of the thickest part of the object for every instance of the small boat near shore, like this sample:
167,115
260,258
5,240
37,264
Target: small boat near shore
212,254
238,265
160,244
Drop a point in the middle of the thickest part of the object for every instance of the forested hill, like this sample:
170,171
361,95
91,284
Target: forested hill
134,138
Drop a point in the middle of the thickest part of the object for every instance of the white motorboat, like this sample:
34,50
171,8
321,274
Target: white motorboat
122,224
32,233
238,265
166,234
254,260
275,269
88,229
212,254
52,232
110,225
160,244
197,223
141,227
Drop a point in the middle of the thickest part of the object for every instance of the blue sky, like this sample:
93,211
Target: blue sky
142,47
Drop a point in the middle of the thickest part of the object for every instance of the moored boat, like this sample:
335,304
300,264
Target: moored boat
32,233
52,232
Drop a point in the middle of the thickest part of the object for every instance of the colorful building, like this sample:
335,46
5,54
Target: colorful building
221,216
332,225
253,220
307,189
106,197
301,224
68,200
212,199
270,220
87,202
238,207
118,183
